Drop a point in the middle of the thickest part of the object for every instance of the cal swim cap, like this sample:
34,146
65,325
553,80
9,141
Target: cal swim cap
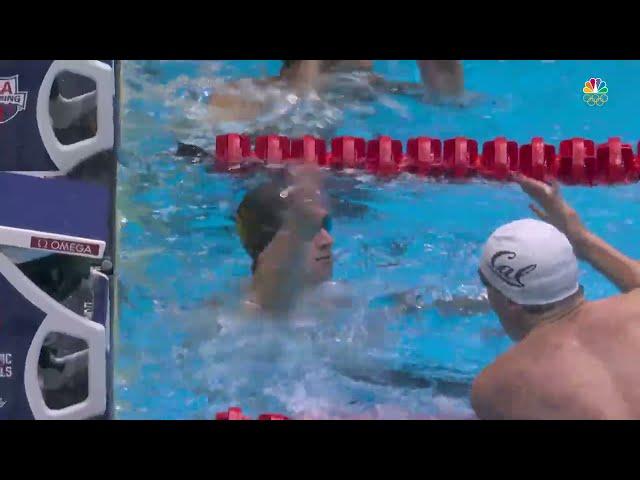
260,216
530,262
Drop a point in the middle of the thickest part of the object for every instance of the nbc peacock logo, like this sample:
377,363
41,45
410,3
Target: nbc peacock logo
595,92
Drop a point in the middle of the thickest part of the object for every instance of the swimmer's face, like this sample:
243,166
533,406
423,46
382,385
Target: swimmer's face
319,257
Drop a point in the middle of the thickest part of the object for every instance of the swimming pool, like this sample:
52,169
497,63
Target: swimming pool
179,357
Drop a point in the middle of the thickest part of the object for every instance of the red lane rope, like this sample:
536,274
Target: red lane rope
235,413
577,161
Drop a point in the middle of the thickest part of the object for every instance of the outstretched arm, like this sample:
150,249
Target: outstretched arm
458,305
441,78
621,270
464,306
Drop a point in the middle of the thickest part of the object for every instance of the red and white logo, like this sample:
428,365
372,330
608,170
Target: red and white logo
12,101
65,246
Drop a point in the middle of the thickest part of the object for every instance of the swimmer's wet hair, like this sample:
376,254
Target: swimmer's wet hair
259,217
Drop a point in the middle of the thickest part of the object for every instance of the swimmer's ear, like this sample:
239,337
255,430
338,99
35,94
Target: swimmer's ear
514,307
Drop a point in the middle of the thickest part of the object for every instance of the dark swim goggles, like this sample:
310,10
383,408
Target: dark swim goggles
327,223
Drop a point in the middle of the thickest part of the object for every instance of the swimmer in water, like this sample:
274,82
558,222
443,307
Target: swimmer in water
442,80
575,359
286,229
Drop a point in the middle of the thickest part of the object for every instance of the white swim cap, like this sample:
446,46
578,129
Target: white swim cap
530,262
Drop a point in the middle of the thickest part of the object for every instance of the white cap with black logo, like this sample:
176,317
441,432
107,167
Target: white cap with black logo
530,262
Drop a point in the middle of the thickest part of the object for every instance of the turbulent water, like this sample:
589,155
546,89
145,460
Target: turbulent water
383,341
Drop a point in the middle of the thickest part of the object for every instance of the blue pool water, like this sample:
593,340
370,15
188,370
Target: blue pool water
181,357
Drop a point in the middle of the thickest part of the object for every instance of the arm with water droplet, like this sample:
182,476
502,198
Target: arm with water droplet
457,305
620,269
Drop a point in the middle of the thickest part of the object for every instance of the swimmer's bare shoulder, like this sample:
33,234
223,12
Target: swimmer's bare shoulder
252,306
497,391
549,375
615,320
626,306
506,390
